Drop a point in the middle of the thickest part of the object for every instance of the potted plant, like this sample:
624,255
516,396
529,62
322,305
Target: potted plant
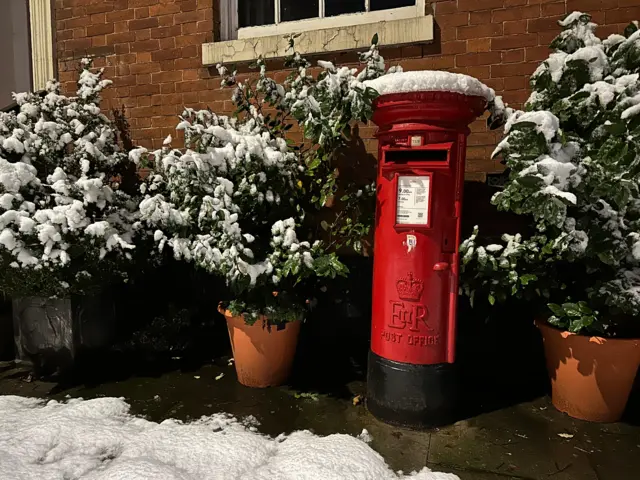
574,162
235,201
66,210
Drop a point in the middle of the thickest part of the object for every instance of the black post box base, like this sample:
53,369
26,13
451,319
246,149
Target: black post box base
414,396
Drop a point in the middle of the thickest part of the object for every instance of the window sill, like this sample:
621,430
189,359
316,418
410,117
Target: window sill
332,39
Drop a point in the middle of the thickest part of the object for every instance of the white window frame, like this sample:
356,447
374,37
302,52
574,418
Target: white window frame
41,26
230,31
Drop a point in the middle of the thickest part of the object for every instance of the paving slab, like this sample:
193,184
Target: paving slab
530,441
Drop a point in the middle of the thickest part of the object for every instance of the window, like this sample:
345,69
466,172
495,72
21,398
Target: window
257,28
258,18
26,56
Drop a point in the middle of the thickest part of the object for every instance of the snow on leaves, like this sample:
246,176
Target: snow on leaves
59,162
574,160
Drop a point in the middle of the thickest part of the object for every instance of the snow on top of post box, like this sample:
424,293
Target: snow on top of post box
425,81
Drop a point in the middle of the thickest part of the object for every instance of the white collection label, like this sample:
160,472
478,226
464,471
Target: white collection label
413,200
416,141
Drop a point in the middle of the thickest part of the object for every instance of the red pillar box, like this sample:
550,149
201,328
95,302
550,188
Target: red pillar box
422,144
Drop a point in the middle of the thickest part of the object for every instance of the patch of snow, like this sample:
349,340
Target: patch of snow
99,440
430,81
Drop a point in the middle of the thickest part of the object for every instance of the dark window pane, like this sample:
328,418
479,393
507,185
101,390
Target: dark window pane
339,7
387,4
298,9
15,57
252,13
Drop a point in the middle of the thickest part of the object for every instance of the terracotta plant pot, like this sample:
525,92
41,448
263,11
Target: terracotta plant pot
591,377
263,356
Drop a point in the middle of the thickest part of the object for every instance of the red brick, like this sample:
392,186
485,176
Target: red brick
142,3
150,22
496,83
165,54
516,96
627,3
588,5
165,20
167,88
142,12
164,77
77,44
99,41
475,177
512,69
122,48
123,37
478,18
192,27
166,32
479,45
545,38
515,27
482,138
98,18
167,43
120,27
188,5
513,56
99,8
537,54
190,86
190,75
189,98
145,46
143,35
164,9
205,14
622,15
63,13
64,35
184,63
79,32
185,17
120,15
531,11
167,65
192,51
204,26
479,31
558,8
167,99
139,68
198,39
514,3
143,79
453,20
514,41
445,7
544,24
515,83
125,81
75,22
483,58
482,72
454,47
474,5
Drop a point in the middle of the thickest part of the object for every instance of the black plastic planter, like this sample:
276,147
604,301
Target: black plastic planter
50,333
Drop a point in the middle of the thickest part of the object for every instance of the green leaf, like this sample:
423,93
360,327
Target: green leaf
492,299
630,29
584,308
374,40
324,225
571,309
556,309
529,277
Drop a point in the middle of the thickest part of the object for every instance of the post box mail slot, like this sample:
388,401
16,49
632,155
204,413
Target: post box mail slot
422,155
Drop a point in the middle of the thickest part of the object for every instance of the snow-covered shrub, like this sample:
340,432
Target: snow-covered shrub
574,161
65,193
235,200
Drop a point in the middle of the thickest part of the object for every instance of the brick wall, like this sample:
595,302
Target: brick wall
151,49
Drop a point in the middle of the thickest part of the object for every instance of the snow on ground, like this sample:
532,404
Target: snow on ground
99,440
430,81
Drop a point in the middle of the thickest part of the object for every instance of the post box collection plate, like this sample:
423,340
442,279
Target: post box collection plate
412,200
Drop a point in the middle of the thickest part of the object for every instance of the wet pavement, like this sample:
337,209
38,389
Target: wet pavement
530,440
